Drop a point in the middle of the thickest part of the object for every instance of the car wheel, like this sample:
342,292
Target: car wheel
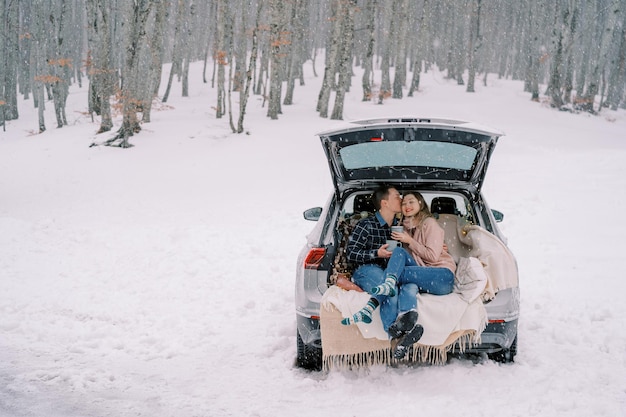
505,355
309,357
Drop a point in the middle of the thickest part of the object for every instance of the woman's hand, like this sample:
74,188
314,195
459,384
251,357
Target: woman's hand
403,237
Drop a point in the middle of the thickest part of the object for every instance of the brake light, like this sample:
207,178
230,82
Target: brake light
314,258
376,139
496,321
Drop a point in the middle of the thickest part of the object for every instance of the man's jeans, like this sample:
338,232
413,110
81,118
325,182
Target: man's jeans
413,278
370,276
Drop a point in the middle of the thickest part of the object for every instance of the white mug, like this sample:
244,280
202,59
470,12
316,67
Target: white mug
392,245
398,229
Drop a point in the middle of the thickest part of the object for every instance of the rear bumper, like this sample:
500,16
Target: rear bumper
495,337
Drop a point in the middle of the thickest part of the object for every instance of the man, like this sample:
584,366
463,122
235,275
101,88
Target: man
367,249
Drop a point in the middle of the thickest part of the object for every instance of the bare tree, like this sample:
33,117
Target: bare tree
131,96
386,47
420,47
59,59
562,25
152,59
605,22
39,70
221,56
345,57
297,51
402,18
617,77
100,68
332,59
277,41
248,80
179,45
474,43
8,59
368,59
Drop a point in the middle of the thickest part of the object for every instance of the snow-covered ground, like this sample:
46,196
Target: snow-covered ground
158,280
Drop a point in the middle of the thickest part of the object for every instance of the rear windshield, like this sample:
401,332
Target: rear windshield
408,154
413,154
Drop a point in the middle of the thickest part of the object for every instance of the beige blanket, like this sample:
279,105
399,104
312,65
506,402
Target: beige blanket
457,317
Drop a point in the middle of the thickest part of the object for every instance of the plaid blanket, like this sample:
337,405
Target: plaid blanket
448,320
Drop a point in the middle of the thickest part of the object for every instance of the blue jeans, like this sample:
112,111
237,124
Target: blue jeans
370,276
413,278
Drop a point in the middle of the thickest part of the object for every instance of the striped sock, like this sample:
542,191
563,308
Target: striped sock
386,288
363,315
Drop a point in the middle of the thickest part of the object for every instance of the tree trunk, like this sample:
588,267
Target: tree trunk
59,61
178,47
368,59
101,68
332,55
385,82
617,75
9,53
252,64
402,17
345,58
132,97
155,60
474,44
420,48
220,57
556,65
605,23
277,40
39,46
297,51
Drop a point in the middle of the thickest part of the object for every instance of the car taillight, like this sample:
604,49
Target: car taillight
314,258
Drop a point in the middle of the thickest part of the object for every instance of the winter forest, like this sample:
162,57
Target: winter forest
575,48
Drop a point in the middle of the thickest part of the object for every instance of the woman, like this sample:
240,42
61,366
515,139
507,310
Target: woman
425,266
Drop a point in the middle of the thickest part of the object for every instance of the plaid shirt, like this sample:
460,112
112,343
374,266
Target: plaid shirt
368,236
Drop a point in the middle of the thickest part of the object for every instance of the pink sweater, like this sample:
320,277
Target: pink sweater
427,245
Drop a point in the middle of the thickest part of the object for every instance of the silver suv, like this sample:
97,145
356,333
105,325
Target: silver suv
446,161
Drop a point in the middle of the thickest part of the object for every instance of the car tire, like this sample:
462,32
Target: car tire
308,357
505,355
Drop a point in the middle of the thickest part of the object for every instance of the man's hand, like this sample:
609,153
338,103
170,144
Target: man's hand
383,252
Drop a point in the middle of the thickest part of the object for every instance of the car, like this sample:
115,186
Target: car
446,161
